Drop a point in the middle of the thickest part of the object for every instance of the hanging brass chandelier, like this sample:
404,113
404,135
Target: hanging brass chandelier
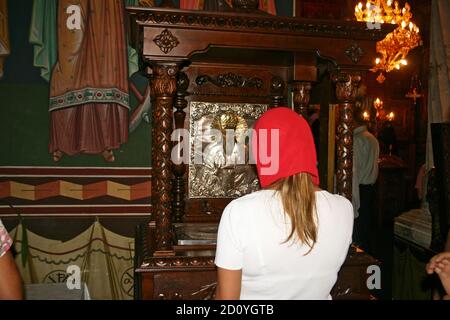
393,49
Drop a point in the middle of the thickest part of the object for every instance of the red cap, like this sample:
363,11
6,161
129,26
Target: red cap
286,146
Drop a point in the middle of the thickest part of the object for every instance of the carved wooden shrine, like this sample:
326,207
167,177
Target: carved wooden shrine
235,58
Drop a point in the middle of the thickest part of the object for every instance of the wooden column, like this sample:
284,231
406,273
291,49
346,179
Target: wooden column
346,89
164,86
179,189
302,94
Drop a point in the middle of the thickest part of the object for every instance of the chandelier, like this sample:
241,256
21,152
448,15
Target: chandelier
395,47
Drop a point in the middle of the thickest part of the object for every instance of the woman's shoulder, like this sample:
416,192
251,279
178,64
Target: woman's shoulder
251,202
335,201
254,198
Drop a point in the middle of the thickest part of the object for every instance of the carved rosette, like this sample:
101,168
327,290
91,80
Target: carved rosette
346,89
354,52
302,94
164,85
179,189
166,41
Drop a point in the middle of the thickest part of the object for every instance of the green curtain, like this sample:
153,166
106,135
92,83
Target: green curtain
133,58
133,65
43,37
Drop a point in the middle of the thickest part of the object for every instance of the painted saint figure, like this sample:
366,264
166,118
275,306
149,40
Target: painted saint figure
87,68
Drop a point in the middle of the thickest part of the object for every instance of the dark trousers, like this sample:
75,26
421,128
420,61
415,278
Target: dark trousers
367,214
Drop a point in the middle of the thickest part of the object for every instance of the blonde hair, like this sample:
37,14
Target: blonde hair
299,202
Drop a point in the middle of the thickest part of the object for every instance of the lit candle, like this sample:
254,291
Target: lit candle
378,103
377,61
366,116
391,116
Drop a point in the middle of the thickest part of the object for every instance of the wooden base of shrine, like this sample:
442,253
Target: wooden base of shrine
190,274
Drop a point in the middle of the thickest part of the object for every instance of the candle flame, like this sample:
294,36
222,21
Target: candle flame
366,115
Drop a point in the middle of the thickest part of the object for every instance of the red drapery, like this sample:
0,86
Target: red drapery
192,4
268,6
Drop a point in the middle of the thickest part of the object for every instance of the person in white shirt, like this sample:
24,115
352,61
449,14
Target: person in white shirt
289,240
366,152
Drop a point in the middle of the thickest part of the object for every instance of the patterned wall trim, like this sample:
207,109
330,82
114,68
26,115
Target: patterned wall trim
90,95
75,191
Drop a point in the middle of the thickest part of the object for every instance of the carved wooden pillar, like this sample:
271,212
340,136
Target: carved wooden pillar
277,88
164,86
302,94
346,89
179,189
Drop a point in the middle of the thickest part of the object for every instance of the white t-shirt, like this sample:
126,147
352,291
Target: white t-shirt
366,151
251,235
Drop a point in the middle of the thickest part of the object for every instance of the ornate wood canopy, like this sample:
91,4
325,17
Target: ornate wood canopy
168,34
168,40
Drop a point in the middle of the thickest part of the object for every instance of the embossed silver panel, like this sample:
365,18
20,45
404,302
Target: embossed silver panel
219,165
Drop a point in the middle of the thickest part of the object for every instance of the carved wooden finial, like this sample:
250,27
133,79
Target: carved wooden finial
346,86
277,90
302,94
